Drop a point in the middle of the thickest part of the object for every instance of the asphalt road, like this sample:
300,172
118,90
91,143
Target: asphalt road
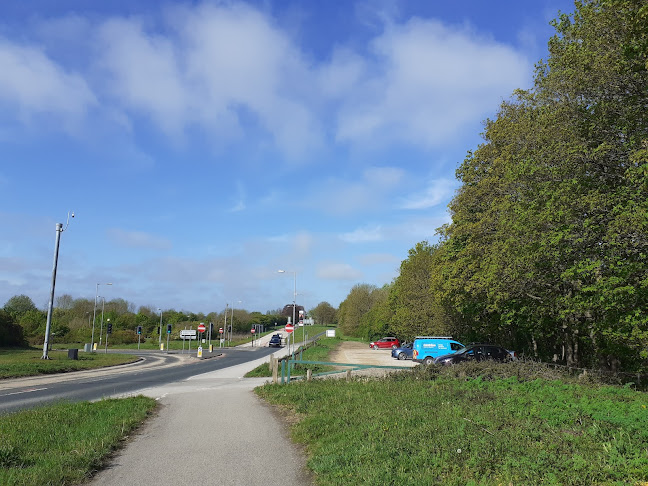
153,371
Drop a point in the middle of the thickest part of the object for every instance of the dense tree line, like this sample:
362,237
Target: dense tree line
22,323
547,247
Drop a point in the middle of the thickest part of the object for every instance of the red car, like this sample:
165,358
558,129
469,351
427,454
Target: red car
386,342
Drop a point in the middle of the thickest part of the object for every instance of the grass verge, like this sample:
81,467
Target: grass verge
16,363
469,425
319,351
65,443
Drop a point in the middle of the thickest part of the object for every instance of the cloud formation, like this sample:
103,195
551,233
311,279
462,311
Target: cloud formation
32,84
230,71
338,271
426,81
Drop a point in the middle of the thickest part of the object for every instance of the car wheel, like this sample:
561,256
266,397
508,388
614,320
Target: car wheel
401,356
428,361
375,346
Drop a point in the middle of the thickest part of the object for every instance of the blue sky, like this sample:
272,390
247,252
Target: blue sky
205,145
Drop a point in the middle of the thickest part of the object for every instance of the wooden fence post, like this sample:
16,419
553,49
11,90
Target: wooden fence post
309,375
275,369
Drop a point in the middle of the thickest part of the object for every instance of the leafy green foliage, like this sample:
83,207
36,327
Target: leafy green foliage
324,314
17,305
11,334
353,318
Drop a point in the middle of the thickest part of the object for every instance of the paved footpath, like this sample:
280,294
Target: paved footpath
211,429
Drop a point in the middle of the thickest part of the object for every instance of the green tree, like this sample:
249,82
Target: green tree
360,301
324,314
416,307
17,305
548,236
11,334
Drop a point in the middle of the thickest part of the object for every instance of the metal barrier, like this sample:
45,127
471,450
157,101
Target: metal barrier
285,370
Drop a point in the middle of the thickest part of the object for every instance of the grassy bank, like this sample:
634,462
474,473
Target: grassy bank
65,443
16,363
470,424
319,351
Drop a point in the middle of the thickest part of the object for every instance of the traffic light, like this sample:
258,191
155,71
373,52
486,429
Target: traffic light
139,329
168,328
211,328
109,328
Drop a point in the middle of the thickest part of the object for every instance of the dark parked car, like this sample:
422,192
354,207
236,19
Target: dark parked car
386,342
275,340
476,352
404,352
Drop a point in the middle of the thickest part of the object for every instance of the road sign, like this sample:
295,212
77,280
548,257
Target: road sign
289,328
188,333
221,330
201,327
252,330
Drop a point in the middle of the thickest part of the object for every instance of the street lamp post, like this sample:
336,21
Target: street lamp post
160,337
94,313
294,300
50,306
231,325
103,306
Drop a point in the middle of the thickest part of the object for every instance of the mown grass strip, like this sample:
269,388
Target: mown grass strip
16,363
65,443
319,351
426,426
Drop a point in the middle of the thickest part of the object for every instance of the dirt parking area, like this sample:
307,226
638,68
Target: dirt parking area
360,353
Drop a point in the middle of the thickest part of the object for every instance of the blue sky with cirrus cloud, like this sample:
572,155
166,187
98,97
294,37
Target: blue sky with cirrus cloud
205,145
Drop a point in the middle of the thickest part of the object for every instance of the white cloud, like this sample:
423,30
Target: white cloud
364,235
143,73
370,191
138,239
34,84
337,271
229,70
302,243
428,80
438,191
219,62
379,259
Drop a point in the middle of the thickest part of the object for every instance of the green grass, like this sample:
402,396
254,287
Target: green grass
318,352
65,443
469,425
16,363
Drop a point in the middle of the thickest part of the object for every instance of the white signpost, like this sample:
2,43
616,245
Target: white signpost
188,334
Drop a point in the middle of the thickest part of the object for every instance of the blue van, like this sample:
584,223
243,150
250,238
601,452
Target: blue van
426,348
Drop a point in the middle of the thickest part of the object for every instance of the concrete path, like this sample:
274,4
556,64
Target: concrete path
210,429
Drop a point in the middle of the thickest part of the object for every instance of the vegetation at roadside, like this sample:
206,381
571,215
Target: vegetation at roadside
318,351
474,423
65,443
15,363
546,249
